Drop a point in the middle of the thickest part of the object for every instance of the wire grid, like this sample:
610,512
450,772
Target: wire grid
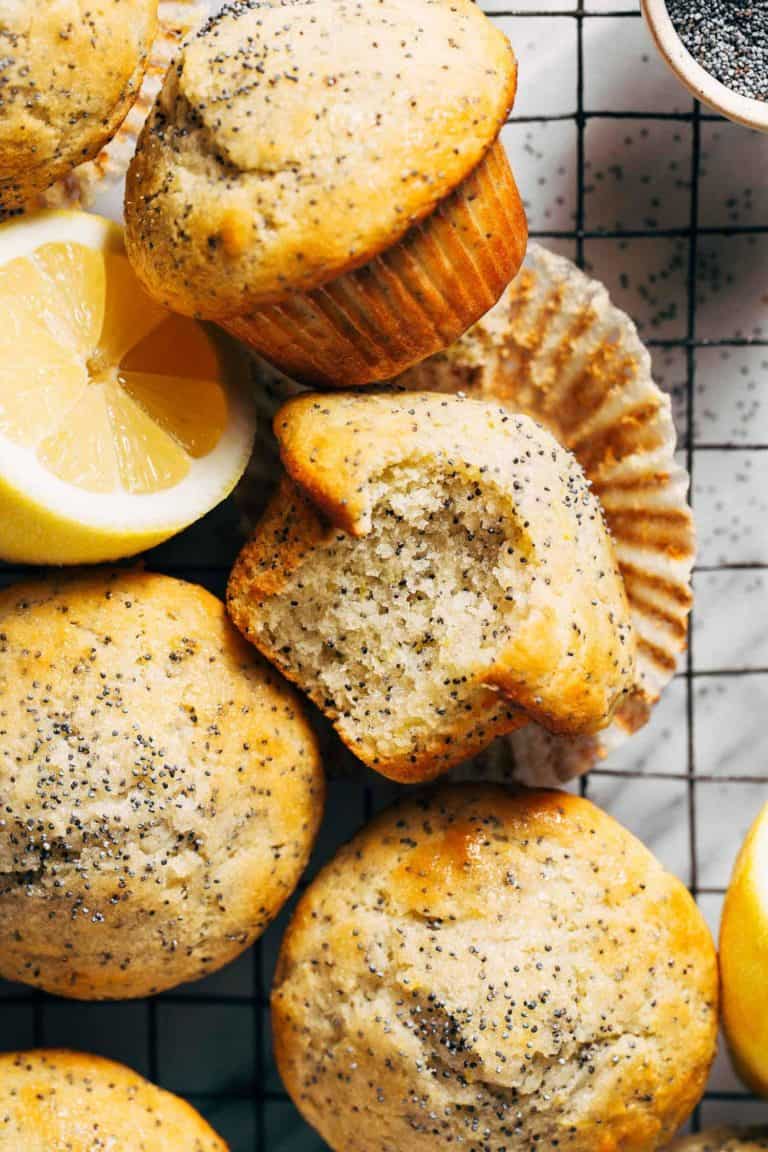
210,1042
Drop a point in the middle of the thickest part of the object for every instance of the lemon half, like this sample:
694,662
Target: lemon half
744,959
120,423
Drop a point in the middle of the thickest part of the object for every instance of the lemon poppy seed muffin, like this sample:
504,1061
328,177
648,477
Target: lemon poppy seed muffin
495,972
324,178
724,1140
160,788
69,74
433,571
57,1101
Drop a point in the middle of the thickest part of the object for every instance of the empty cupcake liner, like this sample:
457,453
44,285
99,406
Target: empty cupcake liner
557,349
410,301
177,19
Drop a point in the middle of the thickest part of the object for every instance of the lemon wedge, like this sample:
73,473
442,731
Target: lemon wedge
744,959
120,423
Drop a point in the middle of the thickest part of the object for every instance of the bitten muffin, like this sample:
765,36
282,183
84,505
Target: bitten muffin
55,1101
69,74
433,572
324,178
495,971
724,1140
160,788
556,348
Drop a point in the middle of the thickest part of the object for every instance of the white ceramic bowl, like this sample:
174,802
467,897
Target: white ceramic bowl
753,113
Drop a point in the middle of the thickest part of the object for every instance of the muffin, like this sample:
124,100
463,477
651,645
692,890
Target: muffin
161,787
433,572
557,348
724,1140
491,970
54,1101
68,78
325,179
97,179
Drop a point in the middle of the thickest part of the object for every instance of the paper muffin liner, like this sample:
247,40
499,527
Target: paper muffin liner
177,19
411,301
556,348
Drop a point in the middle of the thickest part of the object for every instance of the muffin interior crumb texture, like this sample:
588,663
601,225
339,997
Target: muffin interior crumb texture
495,973
393,627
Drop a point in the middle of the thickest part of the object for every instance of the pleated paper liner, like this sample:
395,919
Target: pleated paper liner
556,348
177,19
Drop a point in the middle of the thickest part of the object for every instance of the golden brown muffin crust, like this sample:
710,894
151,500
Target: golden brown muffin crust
160,787
495,971
57,1101
69,73
295,140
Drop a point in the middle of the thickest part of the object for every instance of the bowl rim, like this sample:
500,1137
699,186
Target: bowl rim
705,87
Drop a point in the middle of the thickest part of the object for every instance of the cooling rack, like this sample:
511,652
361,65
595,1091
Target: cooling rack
669,205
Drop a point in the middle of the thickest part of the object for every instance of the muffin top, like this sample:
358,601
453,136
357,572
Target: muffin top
160,787
489,971
69,73
52,1101
724,1140
296,139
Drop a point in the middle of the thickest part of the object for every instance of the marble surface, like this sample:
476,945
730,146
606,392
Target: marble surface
692,781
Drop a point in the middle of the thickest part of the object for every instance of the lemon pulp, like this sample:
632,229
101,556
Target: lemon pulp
106,389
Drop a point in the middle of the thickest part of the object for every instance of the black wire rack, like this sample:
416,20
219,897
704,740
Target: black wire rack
211,1042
